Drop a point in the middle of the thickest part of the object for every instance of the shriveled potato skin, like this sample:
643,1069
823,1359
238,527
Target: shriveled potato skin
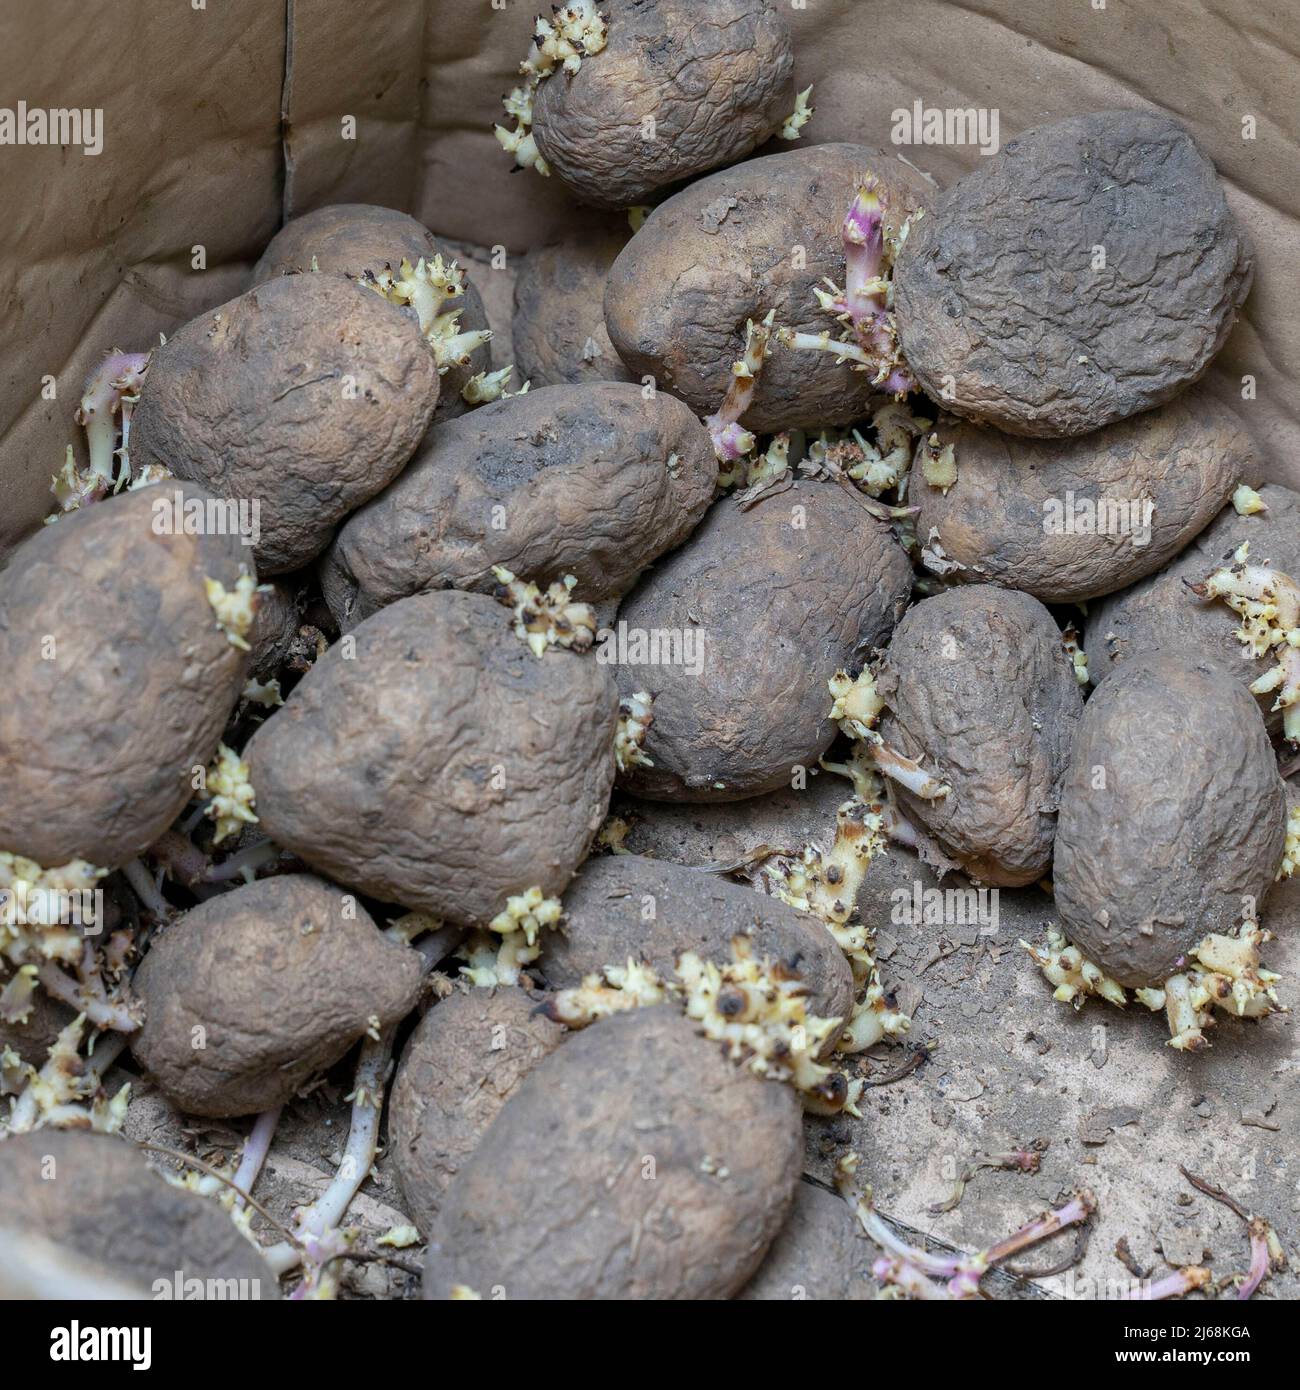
556,1204
96,1195
466,1058
606,924
979,687
99,743
819,1254
443,766
1001,313
1185,458
279,978
721,252
716,80
351,238
781,607
274,628
580,475
1187,829
308,394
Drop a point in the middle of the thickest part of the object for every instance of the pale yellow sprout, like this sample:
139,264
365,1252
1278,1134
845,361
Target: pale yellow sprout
799,117
1291,849
512,940
634,720
485,387
231,795
235,608
1247,501
428,287
1078,657
1074,976
616,989
938,463
547,618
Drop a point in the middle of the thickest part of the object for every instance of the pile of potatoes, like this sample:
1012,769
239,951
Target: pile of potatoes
343,770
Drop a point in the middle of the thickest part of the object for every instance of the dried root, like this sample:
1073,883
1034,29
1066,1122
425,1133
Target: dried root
546,619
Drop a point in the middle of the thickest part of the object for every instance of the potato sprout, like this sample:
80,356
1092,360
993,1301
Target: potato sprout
112,391
1247,502
547,619
519,925
235,608
231,794
938,463
428,286
1078,657
798,118
730,442
634,721
484,387
67,1091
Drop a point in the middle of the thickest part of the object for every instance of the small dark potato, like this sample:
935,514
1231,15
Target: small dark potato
351,238
306,395
95,1195
606,923
1005,310
820,1253
31,1039
1067,520
251,994
601,1178
981,691
466,1058
593,481
442,766
559,321
767,603
1172,816
725,250
118,681
677,90
275,626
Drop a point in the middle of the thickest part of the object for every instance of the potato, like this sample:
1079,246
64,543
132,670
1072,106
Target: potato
606,923
96,1196
352,238
675,91
979,687
275,626
767,604
1067,520
1006,312
118,679
730,248
593,481
467,1057
252,993
820,1253
602,1177
304,396
31,1038
558,327
442,766
1172,816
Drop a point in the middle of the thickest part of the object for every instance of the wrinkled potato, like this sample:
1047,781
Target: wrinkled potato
675,91
593,481
820,1253
275,627
305,396
352,238
723,251
118,679
442,766
602,1178
980,690
1067,520
624,907
95,1195
1005,311
251,994
467,1057
1172,816
768,603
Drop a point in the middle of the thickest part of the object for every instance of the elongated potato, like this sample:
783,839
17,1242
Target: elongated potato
821,1253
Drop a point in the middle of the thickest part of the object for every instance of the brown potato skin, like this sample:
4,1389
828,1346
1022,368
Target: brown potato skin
578,472
1000,313
467,1057
1189,827
1185,457
98,746
547,1206
781,610
720,252
717,81
283,976
978,682
105,1203
249,401
820,1253
351,238
275,626
693,911
379,770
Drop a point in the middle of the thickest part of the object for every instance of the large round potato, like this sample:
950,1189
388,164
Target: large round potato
304,396
979,687
118,680
821,1253
1090,270
593,481
1172,816
441,765
676,90
750,620
1067,520
730,248
637,1162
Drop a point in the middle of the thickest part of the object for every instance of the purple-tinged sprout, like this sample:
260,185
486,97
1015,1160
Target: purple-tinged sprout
1266,1253
112,389
730,441
913,1284
1175,1285
256,1148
